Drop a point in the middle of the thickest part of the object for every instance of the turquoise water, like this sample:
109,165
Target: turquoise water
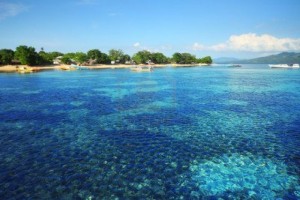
175,133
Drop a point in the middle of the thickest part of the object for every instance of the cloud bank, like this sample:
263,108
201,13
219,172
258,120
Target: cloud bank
252,42
11,9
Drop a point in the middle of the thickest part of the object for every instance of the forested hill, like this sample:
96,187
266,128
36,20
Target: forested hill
282,58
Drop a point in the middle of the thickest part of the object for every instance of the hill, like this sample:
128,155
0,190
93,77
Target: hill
282,58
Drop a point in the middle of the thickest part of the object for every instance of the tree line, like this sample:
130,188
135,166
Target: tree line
29,56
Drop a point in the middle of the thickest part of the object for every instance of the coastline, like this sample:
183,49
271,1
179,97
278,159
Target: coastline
13,68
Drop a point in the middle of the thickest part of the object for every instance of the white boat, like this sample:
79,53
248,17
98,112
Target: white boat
141,69
293,66
279,66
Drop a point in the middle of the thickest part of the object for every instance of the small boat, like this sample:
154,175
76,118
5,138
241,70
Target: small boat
286,66
67,68
142,69
235,66
24,69
80,67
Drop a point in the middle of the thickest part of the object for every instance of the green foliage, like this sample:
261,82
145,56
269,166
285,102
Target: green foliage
116,55
6,56
67,58
26,55
54,54
80,58
206,60
141,57
104,59
126,57
159,58
101,58
177,58
188,58
94,54
44,58
184,58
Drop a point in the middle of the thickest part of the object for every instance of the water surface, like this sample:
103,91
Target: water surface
175,133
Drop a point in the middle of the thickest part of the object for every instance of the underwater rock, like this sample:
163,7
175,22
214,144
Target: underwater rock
263,178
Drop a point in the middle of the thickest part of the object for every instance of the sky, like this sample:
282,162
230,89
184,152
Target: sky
218,28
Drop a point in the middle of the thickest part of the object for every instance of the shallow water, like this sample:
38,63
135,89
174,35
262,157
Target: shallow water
183,133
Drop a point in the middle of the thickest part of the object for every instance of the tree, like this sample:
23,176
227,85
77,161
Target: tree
116,55
159,58
141,57
177,57
44,58
188,58
104,59
26,55
206,60
6,56
126,57
94,54
68,58
80,58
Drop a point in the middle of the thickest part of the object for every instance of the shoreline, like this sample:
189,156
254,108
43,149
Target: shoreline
13,68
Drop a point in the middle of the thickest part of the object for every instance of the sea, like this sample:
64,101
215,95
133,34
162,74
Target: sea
175,133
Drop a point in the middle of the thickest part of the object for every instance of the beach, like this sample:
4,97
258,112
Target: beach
13,68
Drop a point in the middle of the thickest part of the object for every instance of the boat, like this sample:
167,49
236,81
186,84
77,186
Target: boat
142,69
80,67
24,69
67,68
286,66
235,66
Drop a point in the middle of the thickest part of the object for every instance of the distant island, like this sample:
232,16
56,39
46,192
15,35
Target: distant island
281,58
24,55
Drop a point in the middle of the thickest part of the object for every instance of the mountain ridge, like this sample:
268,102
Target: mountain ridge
281,58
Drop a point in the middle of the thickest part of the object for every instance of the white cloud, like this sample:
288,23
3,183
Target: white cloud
198,47
137,44
251,42
11,9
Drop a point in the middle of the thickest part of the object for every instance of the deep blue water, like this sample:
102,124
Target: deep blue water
175,133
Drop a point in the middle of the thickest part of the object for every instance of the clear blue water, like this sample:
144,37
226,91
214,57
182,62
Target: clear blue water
175,133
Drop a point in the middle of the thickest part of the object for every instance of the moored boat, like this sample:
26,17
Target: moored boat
286,66
24,69
142,69
235,65
67,68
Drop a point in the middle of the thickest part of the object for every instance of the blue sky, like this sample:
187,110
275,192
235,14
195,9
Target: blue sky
220,28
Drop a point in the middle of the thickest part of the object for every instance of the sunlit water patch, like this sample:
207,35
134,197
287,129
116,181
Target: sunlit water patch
258,177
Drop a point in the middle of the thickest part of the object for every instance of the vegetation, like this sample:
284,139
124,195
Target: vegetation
141,57
98,56
118,56
207,60
28,56
6,56
47,58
